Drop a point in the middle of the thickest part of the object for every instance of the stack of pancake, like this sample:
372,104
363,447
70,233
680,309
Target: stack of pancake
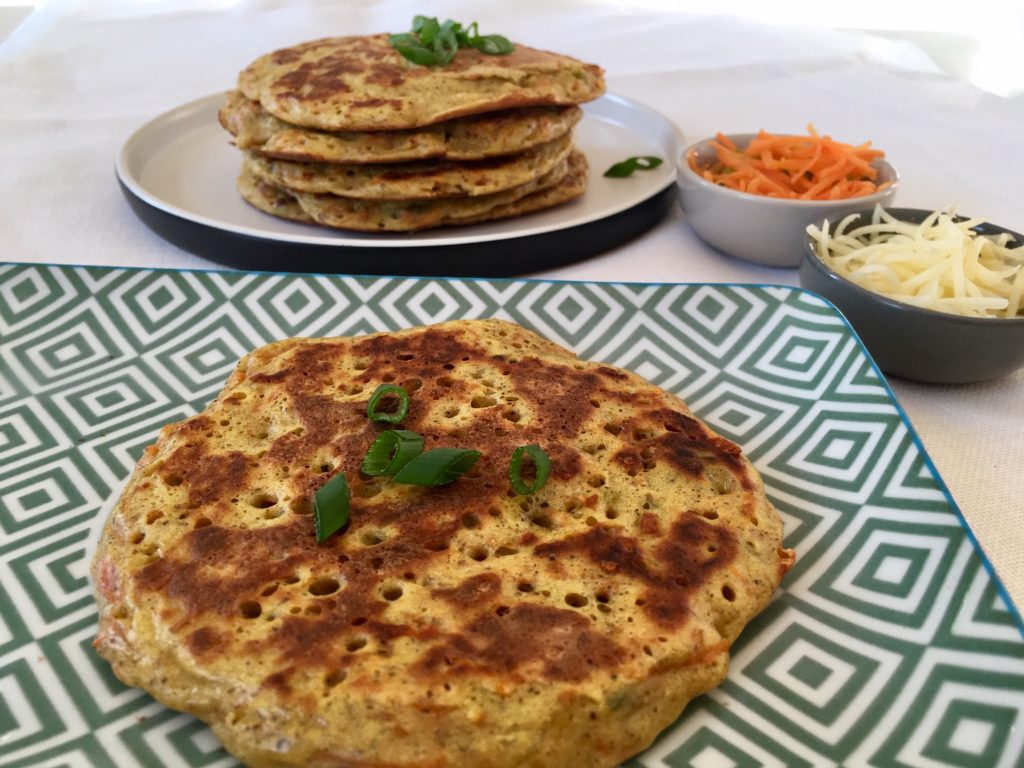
346,133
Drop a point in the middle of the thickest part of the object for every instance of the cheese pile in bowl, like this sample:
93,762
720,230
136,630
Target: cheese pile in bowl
943,263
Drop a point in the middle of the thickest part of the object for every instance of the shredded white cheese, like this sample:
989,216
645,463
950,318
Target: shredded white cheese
939,264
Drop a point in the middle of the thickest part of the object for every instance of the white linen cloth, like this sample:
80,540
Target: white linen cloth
78,77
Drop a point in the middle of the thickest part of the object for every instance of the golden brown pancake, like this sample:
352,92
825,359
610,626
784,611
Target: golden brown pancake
463,625
270,199
278,202
420,180
491,134
563,182
363,84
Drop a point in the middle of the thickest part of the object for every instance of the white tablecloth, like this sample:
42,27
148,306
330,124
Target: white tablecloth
78,77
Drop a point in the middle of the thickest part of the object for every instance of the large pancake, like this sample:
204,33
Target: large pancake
564,182
454,626
420,180
476,137
572,185
278,202
363,84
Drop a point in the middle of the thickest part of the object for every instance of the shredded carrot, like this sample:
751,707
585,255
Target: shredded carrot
812,167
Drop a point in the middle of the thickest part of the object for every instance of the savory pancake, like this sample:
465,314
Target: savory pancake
491,134
572,185
278,202
462,625
363,84
413,215
421,180
268,199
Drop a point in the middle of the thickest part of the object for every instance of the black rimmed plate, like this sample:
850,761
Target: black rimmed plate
178,173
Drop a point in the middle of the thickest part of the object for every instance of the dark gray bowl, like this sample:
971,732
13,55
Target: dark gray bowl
914,343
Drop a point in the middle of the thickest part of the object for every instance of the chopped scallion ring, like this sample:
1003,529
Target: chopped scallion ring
432,44
439,466
541,464
391,451
386,391
626,167
330,507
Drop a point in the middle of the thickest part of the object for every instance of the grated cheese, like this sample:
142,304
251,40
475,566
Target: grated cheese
939,264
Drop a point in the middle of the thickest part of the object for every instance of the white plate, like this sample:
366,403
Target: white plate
182,164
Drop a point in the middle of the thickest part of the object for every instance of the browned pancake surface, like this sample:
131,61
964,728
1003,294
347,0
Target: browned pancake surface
405,217
363,84
455,626
491,134
421,180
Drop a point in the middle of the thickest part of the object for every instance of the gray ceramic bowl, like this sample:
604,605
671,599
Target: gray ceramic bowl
915,343
763,230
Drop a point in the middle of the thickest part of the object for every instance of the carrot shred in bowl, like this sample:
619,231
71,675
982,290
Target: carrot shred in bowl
810,167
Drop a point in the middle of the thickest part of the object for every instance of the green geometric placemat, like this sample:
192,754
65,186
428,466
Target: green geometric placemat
889,644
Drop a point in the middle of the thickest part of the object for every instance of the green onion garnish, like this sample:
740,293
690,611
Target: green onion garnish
626,167
492,45
330,507
541,465
439,466
409,47
431,44
391,451
388,391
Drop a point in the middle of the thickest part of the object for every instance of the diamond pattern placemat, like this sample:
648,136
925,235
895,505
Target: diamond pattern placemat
890,643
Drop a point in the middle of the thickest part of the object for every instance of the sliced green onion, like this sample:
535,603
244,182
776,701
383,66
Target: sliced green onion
390,417
391,451
493,45
413,51
626,167
445,42
439,466
433,44
541,464
330,507
426,27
